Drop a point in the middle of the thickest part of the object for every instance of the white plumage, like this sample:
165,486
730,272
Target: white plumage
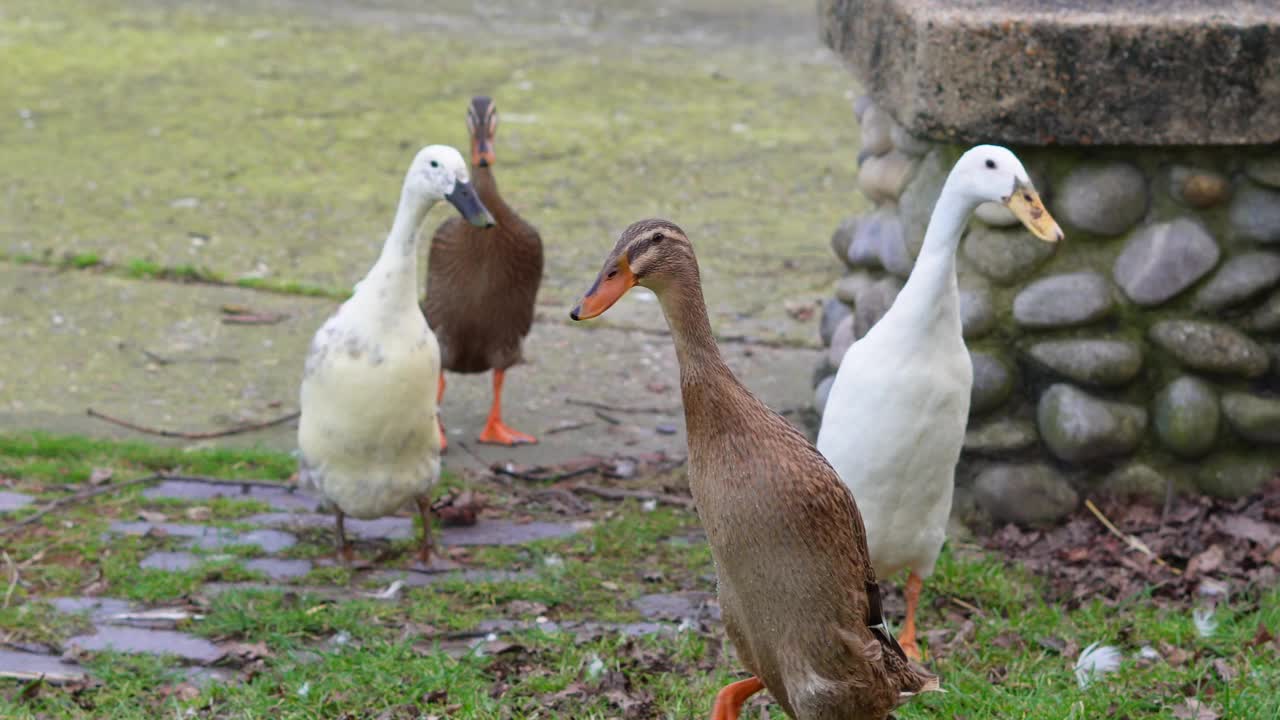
368,432
894,422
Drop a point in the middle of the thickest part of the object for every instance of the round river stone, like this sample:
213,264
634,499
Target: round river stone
992,382
1027,494
1234,475
1255,213
1103,199
1005,255
1255,418
1211,347
1162,260
1092,362
1239,279
1187,416
1078,427
1063,301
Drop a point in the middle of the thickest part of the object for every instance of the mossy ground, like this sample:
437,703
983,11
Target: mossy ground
393,662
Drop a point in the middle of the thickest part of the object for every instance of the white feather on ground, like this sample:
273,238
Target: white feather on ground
1096,661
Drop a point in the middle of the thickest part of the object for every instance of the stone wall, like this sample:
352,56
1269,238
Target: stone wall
1143,352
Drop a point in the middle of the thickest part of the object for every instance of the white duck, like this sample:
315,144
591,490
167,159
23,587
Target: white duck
368,433
895,419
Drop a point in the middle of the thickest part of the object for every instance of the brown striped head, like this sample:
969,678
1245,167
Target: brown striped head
651,253
482,123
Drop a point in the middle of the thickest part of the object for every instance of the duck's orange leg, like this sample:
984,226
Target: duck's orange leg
424,550
907,638
444,441
496,431
730,698
345,553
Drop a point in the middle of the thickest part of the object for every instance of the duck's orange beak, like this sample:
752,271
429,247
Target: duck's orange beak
611,284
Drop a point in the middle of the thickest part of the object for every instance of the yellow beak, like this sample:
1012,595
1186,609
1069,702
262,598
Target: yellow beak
1025,205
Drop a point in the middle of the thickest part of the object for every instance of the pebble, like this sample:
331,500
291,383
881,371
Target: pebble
1235,475
1198,188
1240,279
882,178
1005,255
1211,347
1265,317
1091,362
992,382
1187,417
1078,427
1255,213
1254,418
1063,301
833,313
843,236
841,339
1000,436
1264,170
822,393
876,126
1028,494
977,309
915,205
908,143
878,242
996,215
1164,259
1103,199
1136,480
54,670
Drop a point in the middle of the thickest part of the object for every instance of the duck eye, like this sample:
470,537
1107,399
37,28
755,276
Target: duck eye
658,237
611,274
435,164
991,164
1026,197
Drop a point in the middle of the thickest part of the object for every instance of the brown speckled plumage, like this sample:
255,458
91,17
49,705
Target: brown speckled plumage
482,283
796,585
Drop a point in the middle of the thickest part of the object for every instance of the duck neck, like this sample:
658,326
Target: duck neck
395,275
486,186
702,368
931,293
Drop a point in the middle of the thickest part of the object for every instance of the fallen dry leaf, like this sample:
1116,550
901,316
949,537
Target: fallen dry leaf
1246,528
198,513
100,476
1206,562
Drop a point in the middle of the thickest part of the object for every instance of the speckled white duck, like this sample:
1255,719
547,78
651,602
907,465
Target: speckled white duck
895,419
368,433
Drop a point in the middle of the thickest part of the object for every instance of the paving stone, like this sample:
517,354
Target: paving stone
485,532
1164,259
51,666
10,501
137,640
282,498
99,609
278,569
677,606
170,561
210,538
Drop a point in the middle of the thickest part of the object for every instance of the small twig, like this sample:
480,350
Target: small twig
608,418
1130,540
230,483
621,409
78,498
564,496
619,494
254,319
565,428
237,430
968,606
532,477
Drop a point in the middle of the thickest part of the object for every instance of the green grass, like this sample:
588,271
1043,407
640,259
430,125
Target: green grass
376,658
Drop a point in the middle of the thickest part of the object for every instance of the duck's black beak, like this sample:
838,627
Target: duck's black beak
464,198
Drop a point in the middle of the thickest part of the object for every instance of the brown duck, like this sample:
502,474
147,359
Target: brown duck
797,590
482,282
